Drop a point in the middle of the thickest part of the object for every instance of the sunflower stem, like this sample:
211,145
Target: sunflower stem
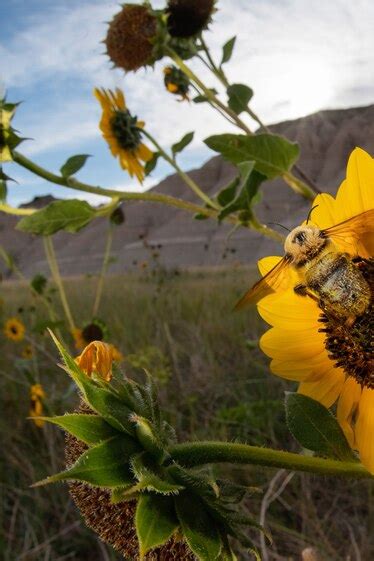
104,268
53,265
191,454
296,184
186,178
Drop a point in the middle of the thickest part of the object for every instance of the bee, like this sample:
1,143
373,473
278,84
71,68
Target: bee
330,276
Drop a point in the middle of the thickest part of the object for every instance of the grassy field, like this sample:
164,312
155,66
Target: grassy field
214,383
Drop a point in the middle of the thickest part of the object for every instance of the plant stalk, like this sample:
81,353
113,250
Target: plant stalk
191,454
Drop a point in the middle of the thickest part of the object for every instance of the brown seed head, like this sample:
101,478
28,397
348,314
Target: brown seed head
128,40
188,17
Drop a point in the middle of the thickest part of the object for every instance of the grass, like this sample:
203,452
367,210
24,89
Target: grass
214,383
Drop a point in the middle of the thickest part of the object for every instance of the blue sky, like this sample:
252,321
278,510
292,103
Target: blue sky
298,56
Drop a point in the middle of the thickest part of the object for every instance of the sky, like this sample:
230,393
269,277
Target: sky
298,56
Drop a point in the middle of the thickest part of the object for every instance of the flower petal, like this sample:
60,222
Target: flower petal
347,405
284,344
327,388
364,430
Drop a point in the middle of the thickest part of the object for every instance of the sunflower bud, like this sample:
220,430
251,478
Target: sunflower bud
187,18
129,38
176,81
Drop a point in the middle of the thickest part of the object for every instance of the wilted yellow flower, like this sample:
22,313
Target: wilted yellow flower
78,339
332,360
5,118
37,394
97,358
122,132
116,353
14,329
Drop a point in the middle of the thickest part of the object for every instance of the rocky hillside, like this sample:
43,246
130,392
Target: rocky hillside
326,139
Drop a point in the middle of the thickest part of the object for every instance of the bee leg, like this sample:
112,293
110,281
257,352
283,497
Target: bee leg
302,290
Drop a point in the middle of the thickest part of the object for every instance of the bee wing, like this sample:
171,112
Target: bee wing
356,232
265,286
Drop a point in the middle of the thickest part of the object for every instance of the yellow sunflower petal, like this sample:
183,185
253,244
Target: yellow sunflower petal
364,430
5,154
327,388
120,99
324,215
288,310
144,153
347,405
283,344
356,194
298,371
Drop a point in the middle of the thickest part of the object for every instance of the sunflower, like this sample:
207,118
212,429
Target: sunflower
97,357
176,82
14,329
332,362
5,131
37,394
122,131
27,352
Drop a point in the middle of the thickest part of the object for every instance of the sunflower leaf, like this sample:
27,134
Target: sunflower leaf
70,215
104,465
152,163
227,50
90,429
183,142
73,164
250,183
155,521
316,428
273,155
198,526
239,95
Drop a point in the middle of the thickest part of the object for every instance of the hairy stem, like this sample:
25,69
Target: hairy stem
199,453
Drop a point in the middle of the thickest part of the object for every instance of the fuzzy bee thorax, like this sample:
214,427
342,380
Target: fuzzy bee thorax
304,243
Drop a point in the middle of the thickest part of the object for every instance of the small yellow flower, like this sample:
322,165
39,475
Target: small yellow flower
14,329
122,132
176,82
5,118
27,352
333,362
37,394
97,357
79,342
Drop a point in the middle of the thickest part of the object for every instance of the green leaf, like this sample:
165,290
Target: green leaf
239,96
227,194
227,50
250,184
199,528
185,141
90,429
73,164
104,465
203,98
273,154
315,427
148,438
155,521
70,216
3,191
38,283
152,163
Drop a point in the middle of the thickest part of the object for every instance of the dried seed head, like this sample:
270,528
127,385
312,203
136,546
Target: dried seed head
114,524
186,18
129,36
351,346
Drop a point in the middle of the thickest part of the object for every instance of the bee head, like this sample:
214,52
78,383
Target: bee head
304,243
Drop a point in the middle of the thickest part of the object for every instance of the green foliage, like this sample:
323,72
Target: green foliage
117,218
203,98
90,429
73,164
38,283
183,142
239,95
152,163
104,465
315,427
151,358
227,50
155,521
198,526
70,216
273,155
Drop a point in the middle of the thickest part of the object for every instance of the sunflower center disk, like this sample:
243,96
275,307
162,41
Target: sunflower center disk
125,130
351,346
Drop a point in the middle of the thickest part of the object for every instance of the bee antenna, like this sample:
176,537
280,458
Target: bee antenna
310,213
281,225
